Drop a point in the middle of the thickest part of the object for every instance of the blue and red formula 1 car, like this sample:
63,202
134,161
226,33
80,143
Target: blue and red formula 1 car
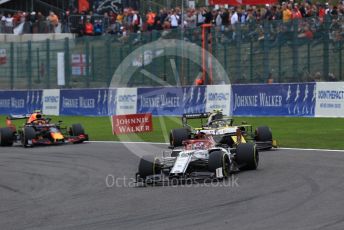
38,130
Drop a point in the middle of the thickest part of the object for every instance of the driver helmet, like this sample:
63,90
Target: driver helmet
216,115
35,116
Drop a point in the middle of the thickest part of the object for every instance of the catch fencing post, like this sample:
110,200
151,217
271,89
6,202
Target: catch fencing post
87,63
29,64
279,62
266,64
295,51
108,61
340,60
326,47
238,46
251,60
225,58
67,62
12,65
47,59
93,64
308,56
38,65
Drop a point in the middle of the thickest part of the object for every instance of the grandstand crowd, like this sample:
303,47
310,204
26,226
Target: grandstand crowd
131,21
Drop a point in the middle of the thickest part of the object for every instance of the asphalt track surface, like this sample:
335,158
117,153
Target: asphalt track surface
63,187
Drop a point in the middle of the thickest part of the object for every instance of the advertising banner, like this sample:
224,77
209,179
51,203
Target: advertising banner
79,64
34,100
126,101
90,102
3,57
83,6
171,100
218,97
132,123
160,101
194,99
330,99
111,101
14,102
51,102
60,69
274,100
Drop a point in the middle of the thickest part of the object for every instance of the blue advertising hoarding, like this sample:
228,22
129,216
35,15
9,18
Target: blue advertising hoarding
171,100
296,99
274,100
90,102
20,101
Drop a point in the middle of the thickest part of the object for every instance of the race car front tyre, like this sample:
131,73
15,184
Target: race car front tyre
6,137
77,130
28,134
149,165
247,156
218,159
177,136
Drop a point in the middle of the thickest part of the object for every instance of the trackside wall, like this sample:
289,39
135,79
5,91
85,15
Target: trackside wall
321,99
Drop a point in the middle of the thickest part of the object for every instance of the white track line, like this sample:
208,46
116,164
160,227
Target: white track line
161,143
324,150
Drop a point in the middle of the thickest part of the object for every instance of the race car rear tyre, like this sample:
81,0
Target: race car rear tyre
247,156
177,136
28,134
264,134
218,159
149,165
6,137
77,130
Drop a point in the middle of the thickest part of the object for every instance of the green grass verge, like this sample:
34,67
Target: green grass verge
289,132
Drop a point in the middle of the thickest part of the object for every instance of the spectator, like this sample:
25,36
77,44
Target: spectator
190,20
9,24
307,33
200,17
98,27
2,23
150,18
53,21
296,14
159,20
119,21
224,19
332,77
174,18
136,21
42,25
208,17
270,79
287,14
234,17
199,80
218,19
89,29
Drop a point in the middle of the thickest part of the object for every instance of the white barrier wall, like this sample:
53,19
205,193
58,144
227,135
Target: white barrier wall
219,97
329,99
51,102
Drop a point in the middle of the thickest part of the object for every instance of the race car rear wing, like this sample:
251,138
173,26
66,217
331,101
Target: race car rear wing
18,117
187,116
